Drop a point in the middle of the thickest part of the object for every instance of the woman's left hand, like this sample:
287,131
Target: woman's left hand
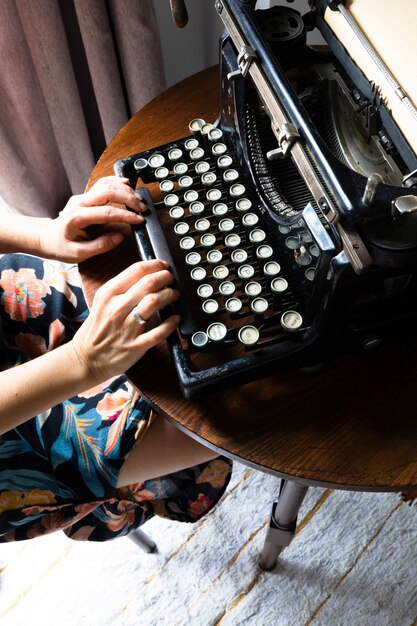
67,239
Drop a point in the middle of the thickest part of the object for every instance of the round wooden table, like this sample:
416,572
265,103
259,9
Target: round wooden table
352,426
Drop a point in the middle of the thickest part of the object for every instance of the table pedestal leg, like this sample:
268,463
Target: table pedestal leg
282,523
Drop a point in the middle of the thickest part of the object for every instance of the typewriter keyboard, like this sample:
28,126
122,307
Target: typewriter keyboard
245,277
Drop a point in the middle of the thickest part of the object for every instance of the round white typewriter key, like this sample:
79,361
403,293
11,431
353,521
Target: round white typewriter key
220,272
174,154
214,256
210,306
291,321
220,209
248,335
205,290
284,230
259,305
225,161
278,285
306,236
250,219
243,205
181,228
190,144
257,235
310,274
226,225
219,148
166,186
314,250
233,305
253,289
237,190
180,168
196,208
264,252
230,175
232,241
215,134
193,258
161,172
213,195
196,153
187,243
190,195
156,160
292,243
206,128
196,125
239,256
202,224
208,240
199,339
140,164
185,182
198,273
246,271
171,199
272,268
208,178
217,331
201,167
227,288
176,212
303,258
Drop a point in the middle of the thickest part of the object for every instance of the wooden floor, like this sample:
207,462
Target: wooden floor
353,561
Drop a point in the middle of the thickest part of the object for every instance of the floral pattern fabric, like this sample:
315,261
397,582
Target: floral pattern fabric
58,471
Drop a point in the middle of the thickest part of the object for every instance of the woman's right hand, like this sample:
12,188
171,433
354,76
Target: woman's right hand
111,340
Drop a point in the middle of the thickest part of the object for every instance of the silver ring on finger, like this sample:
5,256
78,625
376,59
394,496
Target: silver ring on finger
137,316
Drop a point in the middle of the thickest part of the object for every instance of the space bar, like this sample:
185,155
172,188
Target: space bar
152,244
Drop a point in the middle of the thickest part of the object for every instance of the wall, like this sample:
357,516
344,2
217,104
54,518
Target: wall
195,47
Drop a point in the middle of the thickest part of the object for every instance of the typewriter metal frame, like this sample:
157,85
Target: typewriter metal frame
365,287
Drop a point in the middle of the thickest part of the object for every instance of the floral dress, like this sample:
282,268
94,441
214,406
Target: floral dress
58,471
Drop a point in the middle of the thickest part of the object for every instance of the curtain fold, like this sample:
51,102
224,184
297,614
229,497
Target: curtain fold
71,74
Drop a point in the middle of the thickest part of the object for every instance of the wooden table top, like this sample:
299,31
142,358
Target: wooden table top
352,426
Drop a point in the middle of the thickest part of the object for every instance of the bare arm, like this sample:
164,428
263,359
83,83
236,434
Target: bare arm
67,237
36,386
107,344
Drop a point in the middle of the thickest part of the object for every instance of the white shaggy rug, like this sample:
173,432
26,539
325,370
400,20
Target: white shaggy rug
352,562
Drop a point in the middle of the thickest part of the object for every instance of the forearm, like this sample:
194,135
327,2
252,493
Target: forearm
20,233
36,386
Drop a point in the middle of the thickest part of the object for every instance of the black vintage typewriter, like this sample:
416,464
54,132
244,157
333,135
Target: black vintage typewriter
290,222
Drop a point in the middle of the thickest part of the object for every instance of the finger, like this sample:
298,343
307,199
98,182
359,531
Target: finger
154,302
103,215
89,248
156,335
151,283
113,189
130,276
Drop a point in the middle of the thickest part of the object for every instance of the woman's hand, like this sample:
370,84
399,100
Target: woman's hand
112,339
66,238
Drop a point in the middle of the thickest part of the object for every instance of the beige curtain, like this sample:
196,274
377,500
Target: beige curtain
71,74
